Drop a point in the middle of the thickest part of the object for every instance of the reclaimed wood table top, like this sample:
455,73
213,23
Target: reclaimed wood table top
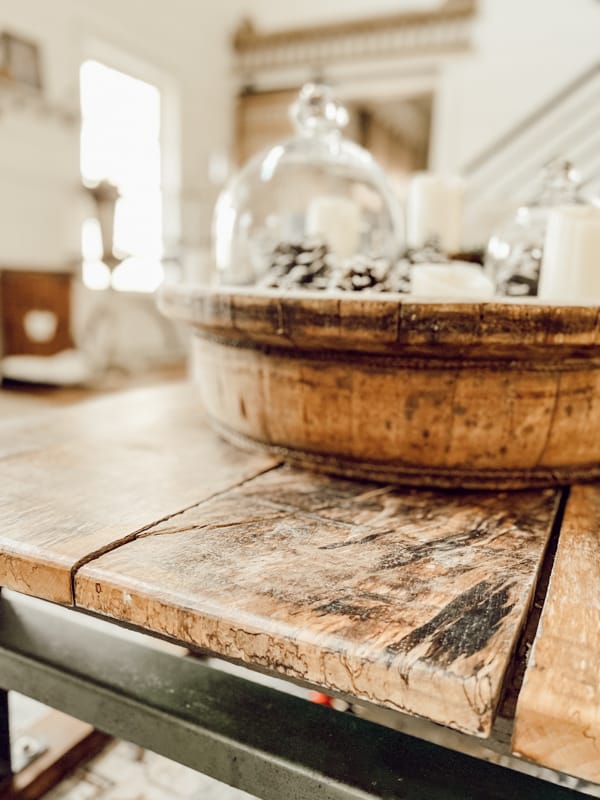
131,507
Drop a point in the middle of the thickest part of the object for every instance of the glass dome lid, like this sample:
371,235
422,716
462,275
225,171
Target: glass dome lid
306,206
515,251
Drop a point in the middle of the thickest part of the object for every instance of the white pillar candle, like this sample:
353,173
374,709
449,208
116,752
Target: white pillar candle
570,270
452,279
337,220
434,211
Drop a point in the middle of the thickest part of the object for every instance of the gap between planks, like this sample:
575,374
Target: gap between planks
497,747
557,719
514,678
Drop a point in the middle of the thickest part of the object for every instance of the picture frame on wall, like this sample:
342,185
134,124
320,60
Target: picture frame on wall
20,60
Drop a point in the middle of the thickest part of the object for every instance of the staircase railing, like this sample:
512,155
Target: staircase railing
536,116
503,173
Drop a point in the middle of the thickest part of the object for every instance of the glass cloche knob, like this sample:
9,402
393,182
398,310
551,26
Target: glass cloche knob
309,210
559,183
317,111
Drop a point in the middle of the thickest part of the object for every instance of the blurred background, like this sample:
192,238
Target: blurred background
165,100
122,120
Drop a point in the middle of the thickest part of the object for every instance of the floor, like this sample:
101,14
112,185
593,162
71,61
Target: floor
124,771
19,399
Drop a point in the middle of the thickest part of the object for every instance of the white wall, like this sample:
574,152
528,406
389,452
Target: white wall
39,162
525,51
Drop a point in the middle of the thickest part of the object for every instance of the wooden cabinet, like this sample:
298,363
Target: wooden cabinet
35,312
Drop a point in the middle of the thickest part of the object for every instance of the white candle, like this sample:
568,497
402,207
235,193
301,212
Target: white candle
434,211
337,220
452,279
570,271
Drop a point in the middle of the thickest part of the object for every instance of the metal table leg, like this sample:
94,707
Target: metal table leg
5,770
270,744
5,760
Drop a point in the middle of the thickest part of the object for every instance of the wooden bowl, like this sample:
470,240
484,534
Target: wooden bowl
474,395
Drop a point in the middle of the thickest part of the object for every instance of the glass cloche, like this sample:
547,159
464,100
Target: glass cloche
514,252
310,212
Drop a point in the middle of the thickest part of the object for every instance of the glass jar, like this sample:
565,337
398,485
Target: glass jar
514,253
303,208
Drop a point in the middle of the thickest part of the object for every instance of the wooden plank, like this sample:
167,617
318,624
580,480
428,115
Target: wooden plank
409,599
18,398
77,481
70,742
91,418
557,720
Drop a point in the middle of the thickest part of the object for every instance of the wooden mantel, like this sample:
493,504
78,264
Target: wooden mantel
445,28
247,37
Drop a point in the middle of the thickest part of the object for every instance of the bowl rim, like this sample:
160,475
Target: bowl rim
378,322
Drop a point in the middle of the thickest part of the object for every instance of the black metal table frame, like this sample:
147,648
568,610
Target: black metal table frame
269,743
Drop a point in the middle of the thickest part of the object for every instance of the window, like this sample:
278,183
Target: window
120,142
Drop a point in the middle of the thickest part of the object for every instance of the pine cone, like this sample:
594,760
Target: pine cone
298,265
375,274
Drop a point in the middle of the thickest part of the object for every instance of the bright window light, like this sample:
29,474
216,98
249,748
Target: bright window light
120,143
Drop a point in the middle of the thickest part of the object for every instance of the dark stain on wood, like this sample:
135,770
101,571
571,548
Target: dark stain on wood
371,537
463,627
345,607
418,552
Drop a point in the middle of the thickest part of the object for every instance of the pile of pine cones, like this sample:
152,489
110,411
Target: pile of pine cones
309,265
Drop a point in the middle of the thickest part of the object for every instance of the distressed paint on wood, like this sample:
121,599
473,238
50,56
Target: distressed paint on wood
409,599
77,481
557,720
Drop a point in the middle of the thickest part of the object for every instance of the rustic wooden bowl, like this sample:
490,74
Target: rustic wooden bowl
474,395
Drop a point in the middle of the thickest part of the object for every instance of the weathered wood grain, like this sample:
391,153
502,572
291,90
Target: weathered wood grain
18,399
464,395
557,719
80,414
409,599
78,480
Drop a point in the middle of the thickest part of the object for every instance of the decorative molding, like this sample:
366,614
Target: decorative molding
446,29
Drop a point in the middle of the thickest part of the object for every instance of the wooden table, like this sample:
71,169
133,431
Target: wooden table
474,611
